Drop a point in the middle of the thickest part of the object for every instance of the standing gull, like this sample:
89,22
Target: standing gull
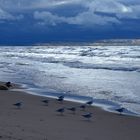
120,110
73,109
61,110
87,116
82,107
8,84
18,105
60,98
89,102
45,101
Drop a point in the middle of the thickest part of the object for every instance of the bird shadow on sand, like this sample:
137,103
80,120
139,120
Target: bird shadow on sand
87,121
16,108
60,115
121,115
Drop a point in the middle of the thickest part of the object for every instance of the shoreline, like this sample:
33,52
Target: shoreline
110,81
37,121
103,104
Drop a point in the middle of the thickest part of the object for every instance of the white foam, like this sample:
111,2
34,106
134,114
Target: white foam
111,73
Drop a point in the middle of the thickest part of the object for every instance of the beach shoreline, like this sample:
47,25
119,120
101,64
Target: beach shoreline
105,105
110,74
37,121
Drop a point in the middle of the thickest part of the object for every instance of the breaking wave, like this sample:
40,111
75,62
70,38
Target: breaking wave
100,72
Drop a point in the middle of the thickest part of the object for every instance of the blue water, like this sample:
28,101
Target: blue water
110,75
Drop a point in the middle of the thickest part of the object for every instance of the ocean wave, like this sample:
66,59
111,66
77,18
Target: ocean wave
22,64
130,56
4,64
93,52
113,96
66,68
109,54
78,64
124,99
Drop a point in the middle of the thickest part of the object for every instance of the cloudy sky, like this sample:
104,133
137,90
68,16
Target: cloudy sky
39,21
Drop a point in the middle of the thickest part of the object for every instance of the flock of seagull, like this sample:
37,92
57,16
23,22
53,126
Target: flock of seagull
62,110
73,109
60,99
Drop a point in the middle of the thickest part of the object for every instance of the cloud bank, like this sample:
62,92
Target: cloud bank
5,15
98,12
45,20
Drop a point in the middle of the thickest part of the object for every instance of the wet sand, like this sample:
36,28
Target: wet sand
37,121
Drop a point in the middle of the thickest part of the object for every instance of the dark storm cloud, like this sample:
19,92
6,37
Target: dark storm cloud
122,9
59,19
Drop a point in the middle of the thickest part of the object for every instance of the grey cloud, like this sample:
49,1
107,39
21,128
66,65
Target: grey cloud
116,7
5,15
34,4
48,3
136,9
121,9
49,18
89,17
131,12
85,18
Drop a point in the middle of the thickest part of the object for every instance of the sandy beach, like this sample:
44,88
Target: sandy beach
37,121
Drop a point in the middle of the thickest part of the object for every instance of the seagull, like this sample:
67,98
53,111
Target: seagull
88,115
45,101
60,98
18,105
83,107
73,109
120,110
61,110
8,84
89,102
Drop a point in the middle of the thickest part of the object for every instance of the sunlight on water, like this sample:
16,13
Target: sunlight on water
111,73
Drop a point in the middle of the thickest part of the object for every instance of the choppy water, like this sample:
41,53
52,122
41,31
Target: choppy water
104,73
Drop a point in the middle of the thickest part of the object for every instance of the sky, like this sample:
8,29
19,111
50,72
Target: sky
24,22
